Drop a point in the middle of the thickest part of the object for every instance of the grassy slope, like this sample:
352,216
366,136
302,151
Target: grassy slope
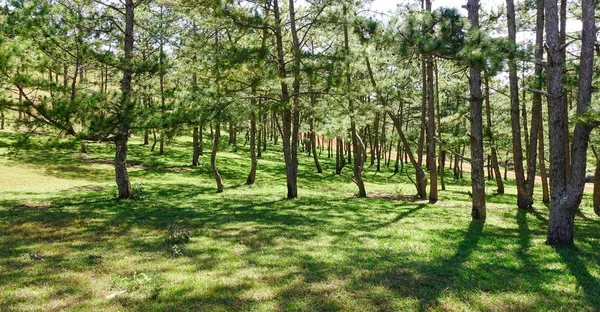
252,250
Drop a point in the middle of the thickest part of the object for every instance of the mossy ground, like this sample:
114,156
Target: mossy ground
251,249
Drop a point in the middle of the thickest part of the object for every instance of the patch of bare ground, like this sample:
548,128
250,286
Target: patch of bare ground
398,197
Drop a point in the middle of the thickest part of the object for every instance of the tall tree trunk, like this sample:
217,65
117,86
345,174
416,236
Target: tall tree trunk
477,173
442,152
565,89
423,110
357,143
161,146
213,158
291,114
523,200
542,160
253,159
490,134
196,146
125,107
597,188
566,197
431,155
536,110
313,145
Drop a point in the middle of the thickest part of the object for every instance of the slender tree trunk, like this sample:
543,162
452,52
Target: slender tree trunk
290,112
357,143
253,159
125,107
477,173
566,197
523,200
423,111
494,158
2,120
161,146
541,154
536,110
596,195
377,142
565,90
154,141
313,145
196,146
213,158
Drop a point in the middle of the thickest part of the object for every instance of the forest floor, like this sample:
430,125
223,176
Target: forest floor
66,243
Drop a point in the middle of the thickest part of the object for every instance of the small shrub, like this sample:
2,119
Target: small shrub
175,237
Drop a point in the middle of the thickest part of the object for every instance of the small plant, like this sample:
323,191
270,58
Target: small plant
137,191
175,237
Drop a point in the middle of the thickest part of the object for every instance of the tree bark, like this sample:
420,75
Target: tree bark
313,145
196,146
542,160
477,173
253,159
122,135
213,158
523,200
357,143
566,197
597,188
490,134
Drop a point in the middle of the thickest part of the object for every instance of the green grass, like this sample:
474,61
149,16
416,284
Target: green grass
251,249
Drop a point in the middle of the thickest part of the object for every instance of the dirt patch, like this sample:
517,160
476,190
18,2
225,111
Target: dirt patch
398,197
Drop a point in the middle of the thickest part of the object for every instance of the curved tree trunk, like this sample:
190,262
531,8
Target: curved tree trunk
313,146
213,158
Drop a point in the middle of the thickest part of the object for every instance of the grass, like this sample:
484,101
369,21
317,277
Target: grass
250,249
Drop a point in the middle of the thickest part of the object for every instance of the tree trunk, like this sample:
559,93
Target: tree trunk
523,200
357,143
313,145
253,159
146,137
291,117
213,158
565,99
536,110
377,142
196,146
477,173
597,188
541,154
565,198
122,135
161,146
154,141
